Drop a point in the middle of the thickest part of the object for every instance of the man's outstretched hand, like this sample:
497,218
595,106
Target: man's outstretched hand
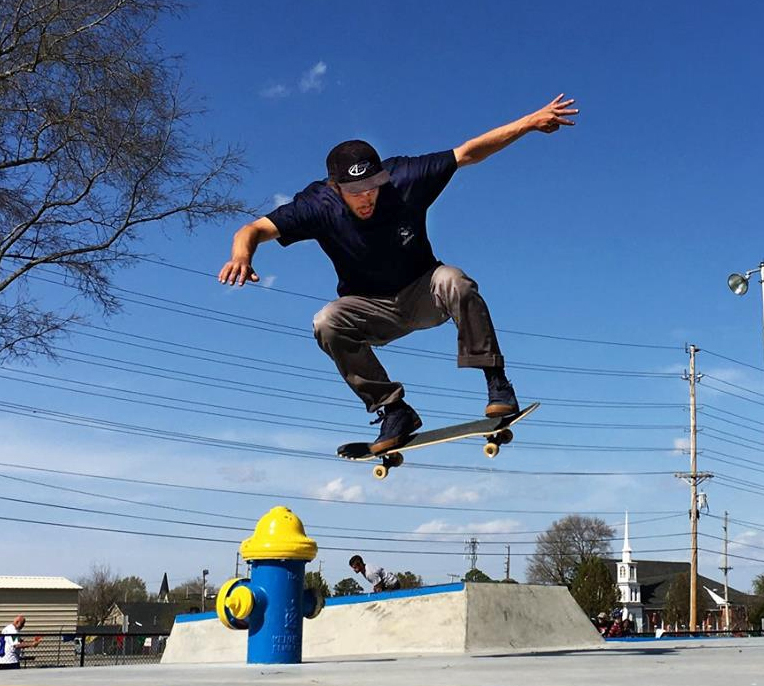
237,272
548,119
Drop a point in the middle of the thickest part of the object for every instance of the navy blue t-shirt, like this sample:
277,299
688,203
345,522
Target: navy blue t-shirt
381,255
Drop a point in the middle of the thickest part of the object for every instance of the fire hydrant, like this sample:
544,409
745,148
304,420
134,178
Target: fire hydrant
271,603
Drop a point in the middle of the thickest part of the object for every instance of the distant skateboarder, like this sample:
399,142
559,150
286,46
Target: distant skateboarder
376,576
369,217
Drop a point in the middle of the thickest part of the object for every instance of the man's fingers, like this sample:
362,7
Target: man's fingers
563,121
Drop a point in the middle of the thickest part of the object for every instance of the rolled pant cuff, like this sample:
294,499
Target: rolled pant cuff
396,395
480,361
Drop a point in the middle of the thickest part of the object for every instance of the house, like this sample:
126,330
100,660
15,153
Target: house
146,617
49,603
643,594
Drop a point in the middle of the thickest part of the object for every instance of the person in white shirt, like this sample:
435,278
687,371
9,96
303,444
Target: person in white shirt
12,646
376,576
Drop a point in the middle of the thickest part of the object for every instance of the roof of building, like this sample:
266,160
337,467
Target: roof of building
656,576
58,583
153,617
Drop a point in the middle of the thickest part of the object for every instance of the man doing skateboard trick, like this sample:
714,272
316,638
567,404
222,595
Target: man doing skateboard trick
369,217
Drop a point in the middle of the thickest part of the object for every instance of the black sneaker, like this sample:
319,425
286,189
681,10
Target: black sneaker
399,420
502,401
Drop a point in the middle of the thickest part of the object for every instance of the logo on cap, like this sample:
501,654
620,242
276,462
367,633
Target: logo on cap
359,168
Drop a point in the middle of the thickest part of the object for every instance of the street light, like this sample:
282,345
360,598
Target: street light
738,284
205,572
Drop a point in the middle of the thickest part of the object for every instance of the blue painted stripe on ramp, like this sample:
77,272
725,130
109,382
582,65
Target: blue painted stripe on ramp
387,595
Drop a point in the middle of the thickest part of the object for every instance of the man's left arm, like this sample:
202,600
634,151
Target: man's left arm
547,120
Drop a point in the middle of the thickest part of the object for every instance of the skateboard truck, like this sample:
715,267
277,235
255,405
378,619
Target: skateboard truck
495,441
389,461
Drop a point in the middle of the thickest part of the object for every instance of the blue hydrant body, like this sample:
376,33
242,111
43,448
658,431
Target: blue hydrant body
271,603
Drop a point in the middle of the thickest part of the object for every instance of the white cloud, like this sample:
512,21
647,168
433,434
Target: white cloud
456,494
495,526
275,92
313,79
681,445
242,474
267,281
336,489
280,199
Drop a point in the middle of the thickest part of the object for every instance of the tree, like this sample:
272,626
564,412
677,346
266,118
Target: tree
95,146
192,590
476,576
677,610
347,587
132,589
102,588
565,545
758,584
409,579
593,587
316,581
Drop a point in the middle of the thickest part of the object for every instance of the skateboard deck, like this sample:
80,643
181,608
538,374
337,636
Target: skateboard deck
496,430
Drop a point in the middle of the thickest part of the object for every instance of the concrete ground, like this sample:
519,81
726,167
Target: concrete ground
697,662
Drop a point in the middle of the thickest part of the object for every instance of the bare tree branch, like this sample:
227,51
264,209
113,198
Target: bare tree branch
95,144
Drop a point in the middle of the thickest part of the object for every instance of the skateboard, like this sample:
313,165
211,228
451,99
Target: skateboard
496,431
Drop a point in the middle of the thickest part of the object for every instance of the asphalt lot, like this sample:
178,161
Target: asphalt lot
697,662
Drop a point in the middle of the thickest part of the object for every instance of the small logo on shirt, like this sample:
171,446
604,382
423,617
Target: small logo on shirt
359,168
406,234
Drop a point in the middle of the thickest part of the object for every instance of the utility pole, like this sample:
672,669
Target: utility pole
205,572
470,551
726,569
506,565
693,478
236,574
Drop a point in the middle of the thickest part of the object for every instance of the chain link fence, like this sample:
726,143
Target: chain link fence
92,650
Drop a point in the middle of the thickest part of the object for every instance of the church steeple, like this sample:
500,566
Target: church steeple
631,596
626,552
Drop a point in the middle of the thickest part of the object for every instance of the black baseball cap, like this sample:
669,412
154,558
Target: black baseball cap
356,167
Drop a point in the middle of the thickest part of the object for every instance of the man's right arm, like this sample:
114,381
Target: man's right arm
245,241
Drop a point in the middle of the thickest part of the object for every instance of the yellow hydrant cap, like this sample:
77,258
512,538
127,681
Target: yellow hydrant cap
279,535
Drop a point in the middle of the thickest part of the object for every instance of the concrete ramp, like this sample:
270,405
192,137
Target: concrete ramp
453,618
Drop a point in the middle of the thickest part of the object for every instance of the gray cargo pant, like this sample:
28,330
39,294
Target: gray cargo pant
347,328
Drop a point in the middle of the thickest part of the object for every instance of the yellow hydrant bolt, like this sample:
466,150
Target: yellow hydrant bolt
241,602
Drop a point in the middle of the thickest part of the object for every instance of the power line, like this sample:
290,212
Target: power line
568,339
228,491
285,329
228,516
203,539
448,391
356,537
733,385
731,359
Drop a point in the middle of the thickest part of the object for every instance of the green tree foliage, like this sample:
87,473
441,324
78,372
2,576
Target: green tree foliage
132,589
565,545
316,581
96,147
347,587
677,609
475,575
192,590
409,579
593,587
758,584
755,615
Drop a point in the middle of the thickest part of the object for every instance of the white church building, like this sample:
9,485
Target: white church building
628,585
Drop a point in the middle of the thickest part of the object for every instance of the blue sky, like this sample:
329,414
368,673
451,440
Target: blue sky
621,230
